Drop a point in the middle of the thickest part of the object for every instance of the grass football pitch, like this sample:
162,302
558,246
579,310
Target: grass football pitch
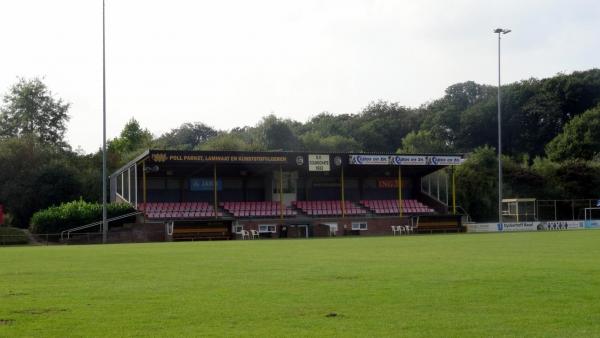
506,284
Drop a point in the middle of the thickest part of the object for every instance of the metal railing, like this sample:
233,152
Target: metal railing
91,225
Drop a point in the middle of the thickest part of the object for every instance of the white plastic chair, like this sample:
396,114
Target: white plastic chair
254,234
245,234
395,230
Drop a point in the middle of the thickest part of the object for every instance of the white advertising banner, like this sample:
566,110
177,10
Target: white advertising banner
405,160
370,159
526,226
318,162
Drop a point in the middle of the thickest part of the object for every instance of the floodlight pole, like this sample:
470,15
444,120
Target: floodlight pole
500,31
104,222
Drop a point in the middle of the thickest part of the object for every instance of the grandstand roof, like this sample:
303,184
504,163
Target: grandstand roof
308,161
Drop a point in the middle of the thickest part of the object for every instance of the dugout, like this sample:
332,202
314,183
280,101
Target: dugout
288,194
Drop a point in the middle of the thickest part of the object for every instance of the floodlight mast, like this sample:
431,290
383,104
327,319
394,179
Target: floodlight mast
500,31
104,221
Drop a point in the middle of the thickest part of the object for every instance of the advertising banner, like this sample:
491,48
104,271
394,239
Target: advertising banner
526,226
591,224
426,160
405,160
388,183
370,159
205,184
217,157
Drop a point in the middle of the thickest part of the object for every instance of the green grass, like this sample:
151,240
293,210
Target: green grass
510,284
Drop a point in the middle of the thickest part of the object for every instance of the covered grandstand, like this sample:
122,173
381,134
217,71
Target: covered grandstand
224,194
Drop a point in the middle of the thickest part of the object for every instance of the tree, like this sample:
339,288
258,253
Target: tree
34,175
382,125
422,141
187,137
476,182
580,138
277,134
314,141
131,141
228,141
30,109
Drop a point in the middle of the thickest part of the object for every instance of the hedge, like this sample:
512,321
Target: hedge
76,213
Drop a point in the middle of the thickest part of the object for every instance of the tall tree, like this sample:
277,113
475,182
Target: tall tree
30,109
131,141
277,134
187,137
34,175
580,138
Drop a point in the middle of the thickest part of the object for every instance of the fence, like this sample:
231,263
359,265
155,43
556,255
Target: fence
563,210
84,238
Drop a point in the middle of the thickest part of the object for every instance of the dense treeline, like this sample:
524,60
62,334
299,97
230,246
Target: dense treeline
551,141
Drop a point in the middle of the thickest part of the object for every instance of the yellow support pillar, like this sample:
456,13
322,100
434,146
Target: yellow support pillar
281,194
144,183
215,191
400,190
453,192
343,194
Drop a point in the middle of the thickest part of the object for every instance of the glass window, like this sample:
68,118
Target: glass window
359,226
120,184
267,228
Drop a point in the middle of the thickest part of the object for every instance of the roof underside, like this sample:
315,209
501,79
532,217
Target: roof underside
235,163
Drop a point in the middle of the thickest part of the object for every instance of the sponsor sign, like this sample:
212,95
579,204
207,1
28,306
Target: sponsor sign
386,183
408,160
370,159
194,157
591,224
560,225
426,160
318,162
525,226
405,160
205,184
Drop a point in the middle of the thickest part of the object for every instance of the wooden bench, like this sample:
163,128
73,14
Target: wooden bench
440,224
200,233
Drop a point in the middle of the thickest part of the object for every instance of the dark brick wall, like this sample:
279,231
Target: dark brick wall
375,227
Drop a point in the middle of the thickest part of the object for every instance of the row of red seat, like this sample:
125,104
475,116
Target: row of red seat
181,214
391,203
265,205
263,213
257,209
272,208
175,206
385,207
329,208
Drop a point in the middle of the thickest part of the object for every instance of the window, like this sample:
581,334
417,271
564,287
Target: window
120,184
126,185
359,226
272,228
237,228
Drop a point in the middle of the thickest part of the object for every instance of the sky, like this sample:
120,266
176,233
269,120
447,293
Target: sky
229,63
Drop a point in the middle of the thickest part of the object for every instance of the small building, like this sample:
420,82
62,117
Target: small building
225,194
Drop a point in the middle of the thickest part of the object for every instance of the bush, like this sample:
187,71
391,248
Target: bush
9,236
76,213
